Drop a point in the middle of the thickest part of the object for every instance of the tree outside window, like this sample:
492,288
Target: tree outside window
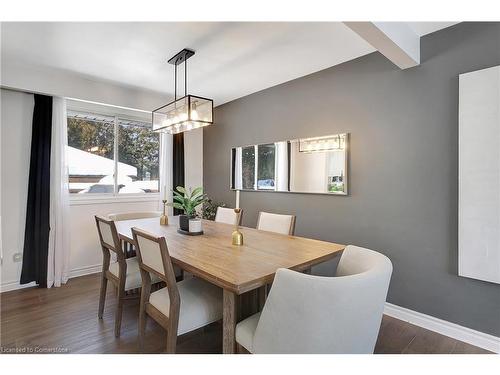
91,156
266,166
248,167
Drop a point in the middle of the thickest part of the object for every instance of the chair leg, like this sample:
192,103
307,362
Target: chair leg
142,321
119,311
102,296
171,341
142,329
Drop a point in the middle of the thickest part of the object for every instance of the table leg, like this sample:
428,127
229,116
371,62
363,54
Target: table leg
251,302
262,296
228,322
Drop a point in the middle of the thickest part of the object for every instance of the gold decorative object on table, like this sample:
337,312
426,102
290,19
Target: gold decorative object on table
164,217
237,235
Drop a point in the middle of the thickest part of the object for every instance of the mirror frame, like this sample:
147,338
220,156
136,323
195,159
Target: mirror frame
346,168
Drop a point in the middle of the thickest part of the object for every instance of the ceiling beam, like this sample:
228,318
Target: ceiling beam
395,40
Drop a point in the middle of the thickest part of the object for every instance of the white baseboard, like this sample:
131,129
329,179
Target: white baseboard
81,271
13,285
455,331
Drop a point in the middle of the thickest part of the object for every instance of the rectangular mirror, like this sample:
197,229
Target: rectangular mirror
308,165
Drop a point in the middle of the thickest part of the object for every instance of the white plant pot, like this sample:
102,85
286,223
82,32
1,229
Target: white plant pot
195,225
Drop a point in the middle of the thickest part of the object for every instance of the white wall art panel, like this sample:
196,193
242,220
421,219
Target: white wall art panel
479,175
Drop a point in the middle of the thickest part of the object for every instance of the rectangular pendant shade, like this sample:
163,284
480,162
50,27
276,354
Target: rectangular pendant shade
187,113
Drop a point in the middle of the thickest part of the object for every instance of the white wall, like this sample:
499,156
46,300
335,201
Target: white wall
193,158
85,256
16,117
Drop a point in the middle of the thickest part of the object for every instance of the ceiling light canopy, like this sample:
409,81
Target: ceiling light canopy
186,113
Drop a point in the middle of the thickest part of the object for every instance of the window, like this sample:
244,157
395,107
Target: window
139,147
335,171
111,155
266,166
248,167
258,167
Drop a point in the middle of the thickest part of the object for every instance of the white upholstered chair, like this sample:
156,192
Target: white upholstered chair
179,307
284,224
315,314
228,216
134,215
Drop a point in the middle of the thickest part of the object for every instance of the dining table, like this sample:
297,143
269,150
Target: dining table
242,271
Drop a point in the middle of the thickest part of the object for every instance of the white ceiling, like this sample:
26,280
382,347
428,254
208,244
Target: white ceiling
233,59
424,28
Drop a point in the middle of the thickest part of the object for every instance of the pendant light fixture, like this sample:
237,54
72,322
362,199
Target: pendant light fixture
186,113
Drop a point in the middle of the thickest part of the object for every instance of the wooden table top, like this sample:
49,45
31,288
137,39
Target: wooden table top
239,269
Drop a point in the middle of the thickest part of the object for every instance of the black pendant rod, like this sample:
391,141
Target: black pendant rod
175,83
179,58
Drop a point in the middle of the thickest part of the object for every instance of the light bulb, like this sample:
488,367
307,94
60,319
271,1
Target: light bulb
194,114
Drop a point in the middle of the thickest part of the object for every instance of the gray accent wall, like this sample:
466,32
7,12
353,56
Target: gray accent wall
403,189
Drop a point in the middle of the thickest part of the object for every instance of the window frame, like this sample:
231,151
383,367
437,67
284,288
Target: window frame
257,166
103,198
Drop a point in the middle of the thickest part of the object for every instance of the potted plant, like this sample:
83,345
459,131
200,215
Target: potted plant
187,201
209,209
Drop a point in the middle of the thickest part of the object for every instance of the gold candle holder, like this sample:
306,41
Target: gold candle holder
164,217
237,235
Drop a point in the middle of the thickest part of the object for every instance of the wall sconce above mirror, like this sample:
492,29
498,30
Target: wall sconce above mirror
315,165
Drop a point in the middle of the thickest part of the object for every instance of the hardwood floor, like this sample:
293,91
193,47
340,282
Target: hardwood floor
63,320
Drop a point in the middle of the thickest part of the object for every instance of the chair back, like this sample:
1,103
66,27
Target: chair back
315,314
108,237
284,224
134,215
154,258
228,216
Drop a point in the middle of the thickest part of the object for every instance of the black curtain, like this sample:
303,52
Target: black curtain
36,232
178,164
